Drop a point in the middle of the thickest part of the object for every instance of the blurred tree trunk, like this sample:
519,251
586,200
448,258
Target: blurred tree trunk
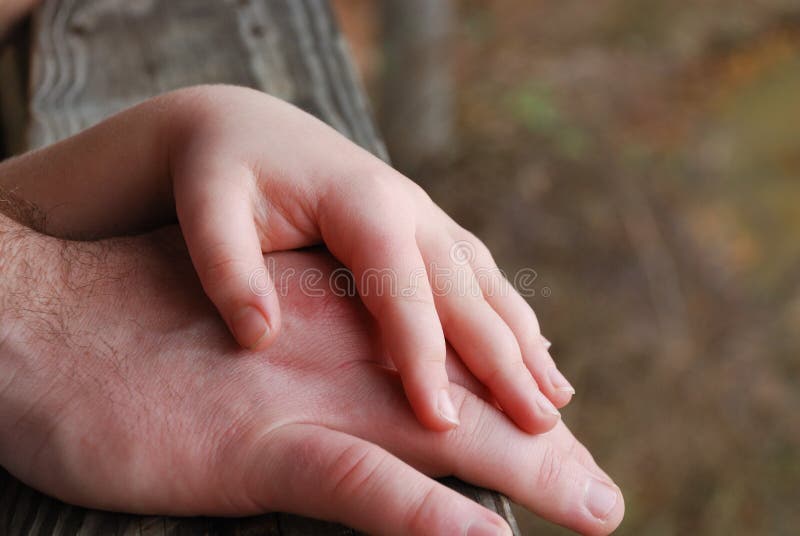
416,112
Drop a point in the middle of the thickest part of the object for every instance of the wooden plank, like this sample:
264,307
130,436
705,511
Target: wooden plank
13,90
91,58
85,51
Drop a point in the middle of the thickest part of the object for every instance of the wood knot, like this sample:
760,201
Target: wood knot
257,30
77,28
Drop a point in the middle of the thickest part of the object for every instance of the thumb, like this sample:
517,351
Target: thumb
216,217
315,471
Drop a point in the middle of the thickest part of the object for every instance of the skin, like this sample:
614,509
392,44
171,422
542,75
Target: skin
121,389
246,173
13,10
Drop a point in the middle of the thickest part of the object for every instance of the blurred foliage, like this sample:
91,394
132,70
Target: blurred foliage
538,110
644,157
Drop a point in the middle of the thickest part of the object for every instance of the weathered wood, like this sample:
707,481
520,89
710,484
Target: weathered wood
13,90
91,58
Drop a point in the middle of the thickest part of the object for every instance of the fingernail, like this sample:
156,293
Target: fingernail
559,382
547,344
250,327
483,528
446,408
599,498
546,405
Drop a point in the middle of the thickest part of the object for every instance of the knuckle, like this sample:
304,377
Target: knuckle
508,370
263,457
506,344
529,338
222,269
394,205
475,429
394,303
356,471
482,251
423,363
420,297
384,189
550,464
220,266
423,515
433,363
581,453
418,193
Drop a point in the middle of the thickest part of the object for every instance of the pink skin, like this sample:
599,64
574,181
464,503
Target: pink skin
120,389
246,174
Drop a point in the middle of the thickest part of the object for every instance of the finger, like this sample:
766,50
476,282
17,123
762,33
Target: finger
377,242
483,340
533,470
218,225
515,311
315,471
551,474
459,374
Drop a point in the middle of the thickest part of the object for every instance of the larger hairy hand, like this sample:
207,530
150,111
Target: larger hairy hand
120,389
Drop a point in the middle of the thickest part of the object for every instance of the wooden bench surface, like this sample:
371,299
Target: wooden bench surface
90,58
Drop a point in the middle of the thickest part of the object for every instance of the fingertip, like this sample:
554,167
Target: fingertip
447,409
496,526
560,399
545,407
603,505
559,383
253,329
433,407
547,375
528,407
427,386
540,425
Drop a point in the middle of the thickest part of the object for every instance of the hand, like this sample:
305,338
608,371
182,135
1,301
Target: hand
120,390
254,174
249,173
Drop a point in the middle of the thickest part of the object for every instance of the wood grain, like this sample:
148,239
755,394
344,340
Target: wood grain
91,58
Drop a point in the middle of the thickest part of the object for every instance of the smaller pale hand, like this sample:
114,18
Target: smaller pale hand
246,174
254,174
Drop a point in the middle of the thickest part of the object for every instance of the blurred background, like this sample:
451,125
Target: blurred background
643,156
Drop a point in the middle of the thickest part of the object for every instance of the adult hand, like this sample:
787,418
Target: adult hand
121,389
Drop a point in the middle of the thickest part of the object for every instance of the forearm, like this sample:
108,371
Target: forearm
110,179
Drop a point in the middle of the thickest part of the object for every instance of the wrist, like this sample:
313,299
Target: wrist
194,115
27,261
25,295
25,258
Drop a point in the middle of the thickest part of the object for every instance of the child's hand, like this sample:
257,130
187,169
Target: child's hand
254,174
250,174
